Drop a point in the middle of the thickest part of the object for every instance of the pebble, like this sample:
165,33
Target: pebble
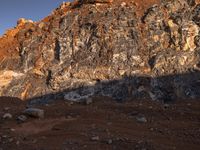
166,106
6,108
95,138
34,112
17,143
88,101
4,136
7,116
123,4
21,118
141,119
13,130
110,141
11,140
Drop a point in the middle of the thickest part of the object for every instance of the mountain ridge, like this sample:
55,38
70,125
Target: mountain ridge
82,43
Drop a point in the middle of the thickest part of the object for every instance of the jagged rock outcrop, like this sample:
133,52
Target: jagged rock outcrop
123,49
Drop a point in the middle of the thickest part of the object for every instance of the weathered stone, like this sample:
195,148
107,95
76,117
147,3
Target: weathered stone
21,118
88,101
189,31
34,112
22,21
141,119
95,138
7,116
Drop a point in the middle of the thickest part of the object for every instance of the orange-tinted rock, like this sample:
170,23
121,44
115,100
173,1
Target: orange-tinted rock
105,49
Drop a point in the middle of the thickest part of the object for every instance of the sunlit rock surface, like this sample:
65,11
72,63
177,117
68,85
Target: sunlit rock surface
146,49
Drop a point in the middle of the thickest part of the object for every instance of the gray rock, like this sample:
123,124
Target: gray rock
7,116
88,101
21,118
110,141
95,138
141,118
34,112
6,108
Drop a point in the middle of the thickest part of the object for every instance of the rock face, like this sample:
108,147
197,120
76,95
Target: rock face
122,49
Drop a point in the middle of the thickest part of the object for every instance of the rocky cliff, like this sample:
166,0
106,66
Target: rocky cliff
134,49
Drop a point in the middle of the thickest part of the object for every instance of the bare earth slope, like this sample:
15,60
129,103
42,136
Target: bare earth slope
103,125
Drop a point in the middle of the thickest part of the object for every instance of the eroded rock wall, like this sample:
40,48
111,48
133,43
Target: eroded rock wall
123,49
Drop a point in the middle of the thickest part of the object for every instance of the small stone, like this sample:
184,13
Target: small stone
166,106
123,4
22,21
88,101
41,25
110,141
21,118
34,141
12,130
34,112
151,129
69,117
7,116
95,138
6,108
10,140
17,143
141,119
4,136
71,103
150,107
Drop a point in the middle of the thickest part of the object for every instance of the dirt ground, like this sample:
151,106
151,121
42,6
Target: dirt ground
102,125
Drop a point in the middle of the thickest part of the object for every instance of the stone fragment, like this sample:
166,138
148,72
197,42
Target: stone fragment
34,112
41,25
22,21
189,31
110,141
88,101
95,138
7,116
21,118
141,118
6,108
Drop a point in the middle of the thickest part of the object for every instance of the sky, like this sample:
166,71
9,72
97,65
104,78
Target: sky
12,10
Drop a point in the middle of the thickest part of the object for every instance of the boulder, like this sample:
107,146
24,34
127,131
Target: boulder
34,112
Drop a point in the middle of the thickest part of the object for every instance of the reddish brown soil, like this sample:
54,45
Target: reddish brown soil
67,127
